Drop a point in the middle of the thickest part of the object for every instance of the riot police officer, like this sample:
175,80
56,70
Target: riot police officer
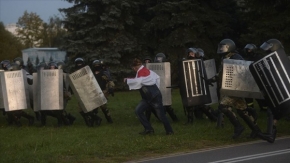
29,71
198,111
274,114
91,118
147,59
14,116
62,117
106,84
227,50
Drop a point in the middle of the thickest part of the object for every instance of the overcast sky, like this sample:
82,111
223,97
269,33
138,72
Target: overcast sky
11,10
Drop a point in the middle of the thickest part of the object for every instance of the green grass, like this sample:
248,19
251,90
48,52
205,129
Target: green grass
117,142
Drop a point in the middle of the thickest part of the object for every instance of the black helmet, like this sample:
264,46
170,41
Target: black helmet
18,61
226,46
42,65
97,65
250,49
13,67
97,62
4,64
79,62
271,45
147,59
189,50
200,52
60,65
52,65
160,57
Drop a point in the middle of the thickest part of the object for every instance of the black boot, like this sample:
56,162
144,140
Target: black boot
97,120
27,116
87,119
252,124
43,118
198,113
269,137
70,118
171,113
238,128
220,119
107,114
189,115
207,110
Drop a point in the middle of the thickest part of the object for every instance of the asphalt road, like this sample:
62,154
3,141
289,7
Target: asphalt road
257,152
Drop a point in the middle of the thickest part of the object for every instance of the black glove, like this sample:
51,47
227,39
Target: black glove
210,81
111,91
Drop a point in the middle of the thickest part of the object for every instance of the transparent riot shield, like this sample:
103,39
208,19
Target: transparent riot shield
210,68
164,72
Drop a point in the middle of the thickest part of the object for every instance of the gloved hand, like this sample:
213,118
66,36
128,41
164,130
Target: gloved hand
210,81
111,91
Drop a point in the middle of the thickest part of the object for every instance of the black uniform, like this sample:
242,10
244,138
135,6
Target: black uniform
104,80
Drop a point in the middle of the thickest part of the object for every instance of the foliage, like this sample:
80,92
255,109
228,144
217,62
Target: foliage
52,33
100,29
29,31
10,46
119,141
118,30
266,20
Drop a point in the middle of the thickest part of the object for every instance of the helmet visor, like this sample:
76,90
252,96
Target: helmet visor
266,46
200,53
249,46
159,59
223,48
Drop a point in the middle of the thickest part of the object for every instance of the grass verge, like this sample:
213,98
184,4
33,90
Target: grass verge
117,142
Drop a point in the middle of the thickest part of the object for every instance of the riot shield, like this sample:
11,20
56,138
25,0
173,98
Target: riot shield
193,87
237,80
1,94
163,70
36,99
14,90
66,81
50,89
272,76
210,68
87,90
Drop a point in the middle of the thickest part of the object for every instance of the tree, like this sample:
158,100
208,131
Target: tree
266,20
176,25
52,33
30,29
100,29
10,46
